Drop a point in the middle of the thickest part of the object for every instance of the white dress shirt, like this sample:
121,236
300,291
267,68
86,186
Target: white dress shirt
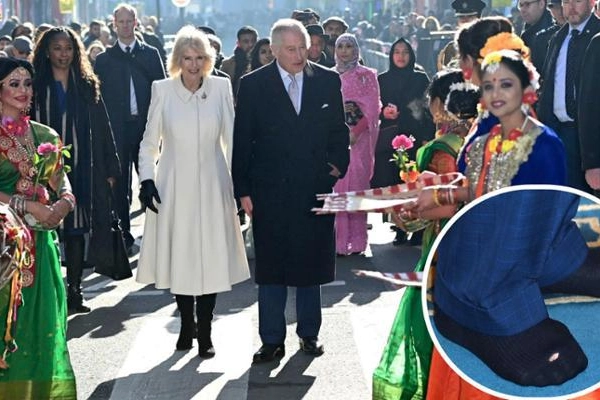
560,76
132,100
287,81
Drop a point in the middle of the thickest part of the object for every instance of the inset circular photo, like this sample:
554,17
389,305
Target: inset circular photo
513,296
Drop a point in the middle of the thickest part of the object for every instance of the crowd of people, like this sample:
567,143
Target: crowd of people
110,100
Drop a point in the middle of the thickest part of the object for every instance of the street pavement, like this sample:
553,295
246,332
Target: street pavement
125,348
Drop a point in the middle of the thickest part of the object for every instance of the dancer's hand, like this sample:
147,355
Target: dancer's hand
390,111
60,209
592,177
42,213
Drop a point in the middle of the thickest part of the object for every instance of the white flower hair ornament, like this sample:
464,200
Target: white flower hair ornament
456,87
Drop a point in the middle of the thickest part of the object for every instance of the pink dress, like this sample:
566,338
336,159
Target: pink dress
359,84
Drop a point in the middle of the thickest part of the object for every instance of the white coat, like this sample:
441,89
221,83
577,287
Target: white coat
194,245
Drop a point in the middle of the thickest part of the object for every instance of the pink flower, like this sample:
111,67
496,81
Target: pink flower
46,148
403,142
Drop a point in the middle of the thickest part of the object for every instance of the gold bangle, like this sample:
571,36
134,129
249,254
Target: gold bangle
70,199
436,199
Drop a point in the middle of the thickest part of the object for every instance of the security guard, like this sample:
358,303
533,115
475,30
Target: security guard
542,38
465,12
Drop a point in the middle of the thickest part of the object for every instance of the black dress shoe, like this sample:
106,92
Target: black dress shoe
205,346
268,352
400,238
206,352
311,346
77,306
78,309
416,238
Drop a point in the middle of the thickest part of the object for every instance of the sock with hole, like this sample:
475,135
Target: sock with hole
545,354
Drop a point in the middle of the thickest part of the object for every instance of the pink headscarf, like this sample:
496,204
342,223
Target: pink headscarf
341,66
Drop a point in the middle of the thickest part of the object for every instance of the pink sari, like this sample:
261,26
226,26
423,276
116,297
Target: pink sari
359,84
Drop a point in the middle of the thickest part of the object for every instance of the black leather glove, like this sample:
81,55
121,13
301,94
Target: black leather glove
148,194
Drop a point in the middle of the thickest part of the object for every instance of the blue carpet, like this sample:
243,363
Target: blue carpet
580,314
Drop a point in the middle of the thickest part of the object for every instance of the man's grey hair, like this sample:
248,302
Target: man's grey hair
288,25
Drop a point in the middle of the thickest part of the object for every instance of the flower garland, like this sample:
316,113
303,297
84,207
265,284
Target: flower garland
504,41
16,127
498,145
491,62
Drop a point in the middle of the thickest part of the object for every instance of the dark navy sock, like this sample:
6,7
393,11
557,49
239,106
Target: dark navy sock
545,354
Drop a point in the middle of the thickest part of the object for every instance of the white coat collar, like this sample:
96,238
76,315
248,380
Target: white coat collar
185,95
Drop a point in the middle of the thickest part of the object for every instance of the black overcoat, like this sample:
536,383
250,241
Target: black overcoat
280,160
114,67
589,107
105,164
93,158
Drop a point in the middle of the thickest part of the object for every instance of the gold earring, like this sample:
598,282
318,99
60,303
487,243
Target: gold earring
25,111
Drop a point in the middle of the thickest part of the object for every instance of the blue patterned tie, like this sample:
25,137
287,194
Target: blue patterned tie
570,100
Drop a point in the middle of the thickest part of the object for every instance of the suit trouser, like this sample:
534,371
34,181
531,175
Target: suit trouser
74,246
271,312
568,133
128,148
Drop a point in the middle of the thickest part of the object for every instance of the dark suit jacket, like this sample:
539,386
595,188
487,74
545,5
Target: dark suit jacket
588,114
280,160
113,68
155,42
530,37
218,72
546,103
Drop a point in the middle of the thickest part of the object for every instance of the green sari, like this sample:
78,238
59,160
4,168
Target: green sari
40,368
404,366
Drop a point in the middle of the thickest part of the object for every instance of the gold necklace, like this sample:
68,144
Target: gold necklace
27,148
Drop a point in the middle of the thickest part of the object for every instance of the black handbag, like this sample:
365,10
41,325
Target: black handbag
115,264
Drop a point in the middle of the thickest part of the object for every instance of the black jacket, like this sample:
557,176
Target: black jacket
114,67
530,37
404,87
546,102
588,111
542,38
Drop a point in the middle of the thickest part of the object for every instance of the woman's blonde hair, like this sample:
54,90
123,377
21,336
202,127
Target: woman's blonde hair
189,37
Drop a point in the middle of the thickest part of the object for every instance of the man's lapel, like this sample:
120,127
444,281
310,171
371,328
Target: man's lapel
309,89
555,49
